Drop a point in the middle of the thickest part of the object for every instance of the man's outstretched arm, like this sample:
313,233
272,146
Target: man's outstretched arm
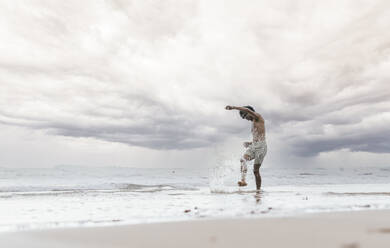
255,115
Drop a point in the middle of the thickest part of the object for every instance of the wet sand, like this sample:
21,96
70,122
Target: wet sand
343,229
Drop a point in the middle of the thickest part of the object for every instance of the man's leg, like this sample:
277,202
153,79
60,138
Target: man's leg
244,169
256,171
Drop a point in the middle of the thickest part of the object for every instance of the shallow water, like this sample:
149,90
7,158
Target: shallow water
68,196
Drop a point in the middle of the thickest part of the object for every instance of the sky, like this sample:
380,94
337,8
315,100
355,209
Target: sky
145,83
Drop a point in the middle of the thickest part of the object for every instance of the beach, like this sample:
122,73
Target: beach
354,229
66,197
129,207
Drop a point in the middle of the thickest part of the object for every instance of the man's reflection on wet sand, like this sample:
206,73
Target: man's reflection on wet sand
258,195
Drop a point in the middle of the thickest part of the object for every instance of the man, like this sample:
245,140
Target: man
257,149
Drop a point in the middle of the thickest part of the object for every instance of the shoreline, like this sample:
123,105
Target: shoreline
119,223
352,229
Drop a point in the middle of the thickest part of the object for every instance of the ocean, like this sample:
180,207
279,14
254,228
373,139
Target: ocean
72,196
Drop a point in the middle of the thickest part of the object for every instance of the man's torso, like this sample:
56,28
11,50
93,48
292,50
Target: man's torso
258,130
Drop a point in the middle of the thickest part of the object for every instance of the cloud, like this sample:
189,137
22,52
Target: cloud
158,74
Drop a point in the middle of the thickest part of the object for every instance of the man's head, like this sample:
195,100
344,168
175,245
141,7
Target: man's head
245,115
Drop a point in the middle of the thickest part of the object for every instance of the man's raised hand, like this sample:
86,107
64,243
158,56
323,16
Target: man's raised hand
228,107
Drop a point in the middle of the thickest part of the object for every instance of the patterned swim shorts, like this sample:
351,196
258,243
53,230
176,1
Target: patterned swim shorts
257,150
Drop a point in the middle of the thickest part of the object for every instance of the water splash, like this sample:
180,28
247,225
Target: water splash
222,176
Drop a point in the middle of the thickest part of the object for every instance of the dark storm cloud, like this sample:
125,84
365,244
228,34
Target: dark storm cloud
376,142
175,134
151,124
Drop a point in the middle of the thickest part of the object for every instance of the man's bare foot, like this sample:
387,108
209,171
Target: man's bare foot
242,183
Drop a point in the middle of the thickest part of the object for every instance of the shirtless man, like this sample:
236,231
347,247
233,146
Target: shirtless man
257,149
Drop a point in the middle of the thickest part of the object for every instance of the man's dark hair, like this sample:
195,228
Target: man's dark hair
244,114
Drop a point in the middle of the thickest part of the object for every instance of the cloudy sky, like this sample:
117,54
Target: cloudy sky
145,83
